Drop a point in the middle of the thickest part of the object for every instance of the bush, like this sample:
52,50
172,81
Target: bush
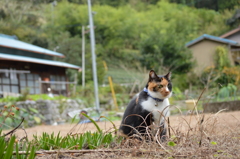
227,92
221,58
10,116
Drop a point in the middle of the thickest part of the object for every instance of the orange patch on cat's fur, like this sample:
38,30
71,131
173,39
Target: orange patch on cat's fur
151,85
137,100
164,82
164,91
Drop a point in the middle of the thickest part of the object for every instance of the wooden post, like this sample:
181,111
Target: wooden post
75,84
105,66
40,85
113,93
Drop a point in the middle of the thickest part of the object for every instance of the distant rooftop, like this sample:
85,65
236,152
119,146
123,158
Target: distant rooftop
230,32
9,36
39,61
12,42
214,38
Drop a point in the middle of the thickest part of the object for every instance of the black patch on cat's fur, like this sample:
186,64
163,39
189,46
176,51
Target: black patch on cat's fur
135,120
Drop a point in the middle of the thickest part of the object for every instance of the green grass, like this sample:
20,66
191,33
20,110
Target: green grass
9,147
122,76
52,141
33,97
87,140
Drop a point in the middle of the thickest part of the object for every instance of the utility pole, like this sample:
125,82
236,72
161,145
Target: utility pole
83,57
92,38
53,4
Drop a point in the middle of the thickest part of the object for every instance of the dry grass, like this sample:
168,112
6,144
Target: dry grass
193,136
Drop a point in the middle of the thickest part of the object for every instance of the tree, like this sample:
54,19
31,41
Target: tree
152,33
163,51
72,49
217,5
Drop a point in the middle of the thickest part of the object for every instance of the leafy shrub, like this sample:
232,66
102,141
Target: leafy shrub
24,95
177,94
10,116
227,92
221,58
232,74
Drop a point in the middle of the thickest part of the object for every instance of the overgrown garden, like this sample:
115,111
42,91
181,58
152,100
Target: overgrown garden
131,38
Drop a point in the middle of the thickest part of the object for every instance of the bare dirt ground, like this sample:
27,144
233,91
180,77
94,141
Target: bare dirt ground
220,123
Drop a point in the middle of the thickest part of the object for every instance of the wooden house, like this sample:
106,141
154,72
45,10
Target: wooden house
26,66
204,47
235,36
232,35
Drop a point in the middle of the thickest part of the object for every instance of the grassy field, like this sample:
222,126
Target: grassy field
122,75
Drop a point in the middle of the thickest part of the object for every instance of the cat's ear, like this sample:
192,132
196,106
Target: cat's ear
168,75
152,75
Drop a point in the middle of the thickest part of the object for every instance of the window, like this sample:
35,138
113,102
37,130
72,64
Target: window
6,88
60,84
6,80
9,82
14,89
29,81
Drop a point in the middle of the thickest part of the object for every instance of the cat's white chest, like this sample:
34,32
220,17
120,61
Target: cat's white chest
159,112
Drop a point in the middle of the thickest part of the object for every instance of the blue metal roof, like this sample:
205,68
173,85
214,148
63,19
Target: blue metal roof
9,36
16,44
214,38
36,60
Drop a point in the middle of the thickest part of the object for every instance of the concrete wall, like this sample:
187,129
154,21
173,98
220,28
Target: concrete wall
217,106
203,54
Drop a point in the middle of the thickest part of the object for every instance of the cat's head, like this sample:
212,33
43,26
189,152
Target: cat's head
159,86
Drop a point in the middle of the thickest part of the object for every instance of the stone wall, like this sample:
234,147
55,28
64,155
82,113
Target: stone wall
53,112
217,106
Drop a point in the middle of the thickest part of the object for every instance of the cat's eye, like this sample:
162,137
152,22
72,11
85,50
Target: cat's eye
160,86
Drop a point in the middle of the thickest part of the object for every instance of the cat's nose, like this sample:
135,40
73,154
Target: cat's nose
167,92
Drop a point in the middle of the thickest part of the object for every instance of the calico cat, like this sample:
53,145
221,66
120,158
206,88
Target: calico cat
150,105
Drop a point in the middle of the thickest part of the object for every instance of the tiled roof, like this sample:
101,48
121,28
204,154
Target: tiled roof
36,60
16,44
230,32
214,38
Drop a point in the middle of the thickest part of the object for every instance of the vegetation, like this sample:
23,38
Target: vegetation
136,37
47,142
205,136
223,76
217,5
222,59
130,35
10,116
13,147
148,34
90,140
